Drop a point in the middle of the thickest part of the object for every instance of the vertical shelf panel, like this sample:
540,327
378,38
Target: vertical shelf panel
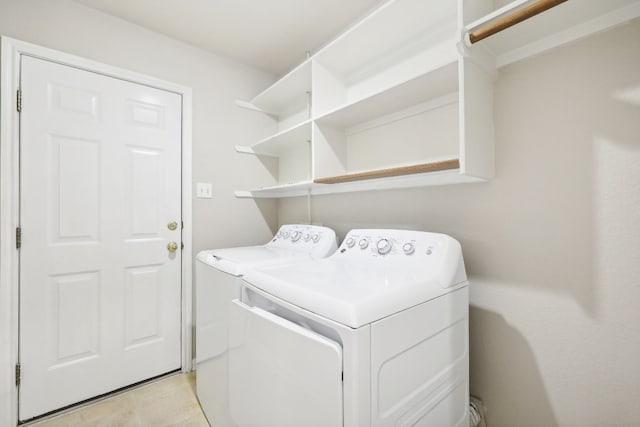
476,121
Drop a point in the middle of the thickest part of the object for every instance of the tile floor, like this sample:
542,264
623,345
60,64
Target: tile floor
169,401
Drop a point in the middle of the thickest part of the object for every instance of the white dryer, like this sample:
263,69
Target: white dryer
218,278
375,335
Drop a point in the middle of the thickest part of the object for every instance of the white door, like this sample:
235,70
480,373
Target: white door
100,180
281,374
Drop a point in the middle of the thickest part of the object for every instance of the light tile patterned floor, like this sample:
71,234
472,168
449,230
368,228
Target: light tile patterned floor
167,402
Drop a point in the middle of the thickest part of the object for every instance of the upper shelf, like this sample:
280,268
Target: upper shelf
377,38
563,23
431,86
281,142
289,90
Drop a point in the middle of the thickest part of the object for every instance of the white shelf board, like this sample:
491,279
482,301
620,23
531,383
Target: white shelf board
288,90
559,25
430,86
407,25
452,176
279,143
277,191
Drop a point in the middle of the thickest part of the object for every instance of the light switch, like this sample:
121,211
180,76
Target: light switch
204,190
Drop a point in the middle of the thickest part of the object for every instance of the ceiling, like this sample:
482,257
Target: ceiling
271,35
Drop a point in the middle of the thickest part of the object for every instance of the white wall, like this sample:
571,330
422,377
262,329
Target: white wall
552,244
218,124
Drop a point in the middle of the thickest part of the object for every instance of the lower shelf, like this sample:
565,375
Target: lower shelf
390,172
407,180
284,190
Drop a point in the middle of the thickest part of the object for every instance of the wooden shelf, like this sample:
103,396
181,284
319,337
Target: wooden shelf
561,24
389,172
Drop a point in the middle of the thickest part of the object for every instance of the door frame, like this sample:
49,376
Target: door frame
11,50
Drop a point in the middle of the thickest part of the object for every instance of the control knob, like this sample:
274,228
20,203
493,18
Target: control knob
408,248
363,243
285,235
350,242
384,246
307,237
296,236
315,238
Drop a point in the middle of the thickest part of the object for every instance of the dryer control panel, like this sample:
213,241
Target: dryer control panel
373,242
408,252
316,240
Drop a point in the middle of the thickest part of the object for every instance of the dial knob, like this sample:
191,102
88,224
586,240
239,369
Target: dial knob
408,248
285,235
315,238
296,236
384,246
363,243
279,234
307,237
351,242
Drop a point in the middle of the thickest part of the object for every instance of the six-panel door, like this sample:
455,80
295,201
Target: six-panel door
100,179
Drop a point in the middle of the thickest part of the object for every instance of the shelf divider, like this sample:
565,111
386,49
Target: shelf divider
388,172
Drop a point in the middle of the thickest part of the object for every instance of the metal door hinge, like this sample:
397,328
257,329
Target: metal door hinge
19,100
18,374
18,237
181,245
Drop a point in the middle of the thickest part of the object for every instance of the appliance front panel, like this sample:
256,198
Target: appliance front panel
281,374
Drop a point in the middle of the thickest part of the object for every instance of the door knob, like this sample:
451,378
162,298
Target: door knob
172,247
172,225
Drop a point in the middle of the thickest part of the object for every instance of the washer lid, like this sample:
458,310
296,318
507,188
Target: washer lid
357,285
292,243
236,261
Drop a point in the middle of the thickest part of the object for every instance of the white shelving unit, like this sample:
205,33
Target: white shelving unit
403,99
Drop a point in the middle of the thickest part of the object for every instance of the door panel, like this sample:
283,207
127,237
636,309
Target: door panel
75,166
100,295
75,308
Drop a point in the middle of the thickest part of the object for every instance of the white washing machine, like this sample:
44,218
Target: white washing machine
374,335
218,278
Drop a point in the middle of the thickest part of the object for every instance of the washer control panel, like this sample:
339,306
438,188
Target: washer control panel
392,243
307,238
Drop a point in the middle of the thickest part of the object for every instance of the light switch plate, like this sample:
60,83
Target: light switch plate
204,190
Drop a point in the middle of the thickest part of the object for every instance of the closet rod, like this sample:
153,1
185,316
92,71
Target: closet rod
513,18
